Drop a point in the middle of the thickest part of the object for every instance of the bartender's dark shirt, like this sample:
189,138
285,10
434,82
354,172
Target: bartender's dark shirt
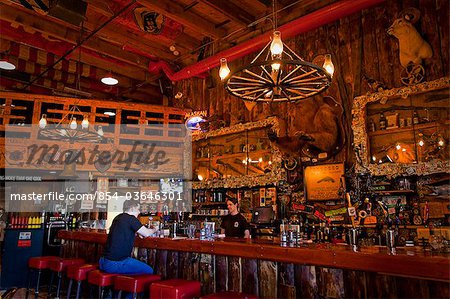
121,237
235,225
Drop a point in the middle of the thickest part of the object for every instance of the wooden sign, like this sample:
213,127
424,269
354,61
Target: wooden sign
322,182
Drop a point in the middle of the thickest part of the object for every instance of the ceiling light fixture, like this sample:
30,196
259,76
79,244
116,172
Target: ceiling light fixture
109,79
67,129
109,113
277,74
6,63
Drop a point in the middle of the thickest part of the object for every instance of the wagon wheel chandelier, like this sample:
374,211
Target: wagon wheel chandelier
67,129
277,74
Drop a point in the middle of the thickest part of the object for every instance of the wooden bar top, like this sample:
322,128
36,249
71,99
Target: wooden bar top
411,262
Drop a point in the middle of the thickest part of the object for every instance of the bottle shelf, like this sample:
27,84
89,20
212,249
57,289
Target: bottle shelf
203,204
409,128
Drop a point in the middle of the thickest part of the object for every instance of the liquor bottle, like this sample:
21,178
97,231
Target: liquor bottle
416,120
372,127
382,121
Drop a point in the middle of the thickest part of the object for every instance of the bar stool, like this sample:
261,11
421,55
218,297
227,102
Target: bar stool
79,274
134,284
60,266
102,280
229,295
175,289
38,264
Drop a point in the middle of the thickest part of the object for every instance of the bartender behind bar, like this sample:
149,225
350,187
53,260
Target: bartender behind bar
234,224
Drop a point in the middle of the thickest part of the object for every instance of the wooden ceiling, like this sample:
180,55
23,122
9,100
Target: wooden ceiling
114,38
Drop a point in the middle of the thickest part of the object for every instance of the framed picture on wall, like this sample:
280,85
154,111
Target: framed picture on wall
323,182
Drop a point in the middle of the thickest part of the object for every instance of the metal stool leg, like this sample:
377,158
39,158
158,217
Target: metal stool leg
58,289
28,282
69,289
78,288
119,294
100,292
38,281
49,286
135,295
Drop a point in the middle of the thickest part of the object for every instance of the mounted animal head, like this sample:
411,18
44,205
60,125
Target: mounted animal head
413,48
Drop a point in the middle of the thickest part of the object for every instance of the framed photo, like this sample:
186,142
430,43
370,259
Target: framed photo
322,182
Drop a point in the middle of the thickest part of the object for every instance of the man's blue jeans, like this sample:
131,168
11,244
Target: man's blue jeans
128,266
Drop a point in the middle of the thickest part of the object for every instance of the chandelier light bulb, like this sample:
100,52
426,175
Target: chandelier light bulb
441,141
398,146
224,71
109,80
276,47
200,177
328,65
260,160
73,124
85,123
100,131
43,121
270,162
276,66
374,159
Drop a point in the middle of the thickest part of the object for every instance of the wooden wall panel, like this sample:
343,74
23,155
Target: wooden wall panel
207,266
250,276
267,279
172,264
161,263
234,274
305,281
221,273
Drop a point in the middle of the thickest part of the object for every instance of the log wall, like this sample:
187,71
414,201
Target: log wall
361,50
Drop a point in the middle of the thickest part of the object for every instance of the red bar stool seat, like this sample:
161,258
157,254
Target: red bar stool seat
79,274
101,279
134,284
60,266
38,263
229,295
175,289
41,262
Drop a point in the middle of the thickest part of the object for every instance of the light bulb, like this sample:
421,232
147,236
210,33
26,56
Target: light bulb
441,141
43,121
109,79
398,146
73,124
403,149
328,65
270,162
200,177
421,142
244,161
6,63
260,160
85,123
224,71
276,47
100,131
276,66
374,159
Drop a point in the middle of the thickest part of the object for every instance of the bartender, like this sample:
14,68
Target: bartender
234,224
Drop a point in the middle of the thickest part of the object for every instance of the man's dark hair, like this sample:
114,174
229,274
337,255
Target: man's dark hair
129,204
232,199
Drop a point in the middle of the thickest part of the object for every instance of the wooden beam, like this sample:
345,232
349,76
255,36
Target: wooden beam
33,21
187,18
183,41
232,11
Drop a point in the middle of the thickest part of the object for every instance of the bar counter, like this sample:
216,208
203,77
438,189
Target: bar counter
255,266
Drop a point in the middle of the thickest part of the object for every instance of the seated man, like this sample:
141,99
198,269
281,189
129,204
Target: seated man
116,257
